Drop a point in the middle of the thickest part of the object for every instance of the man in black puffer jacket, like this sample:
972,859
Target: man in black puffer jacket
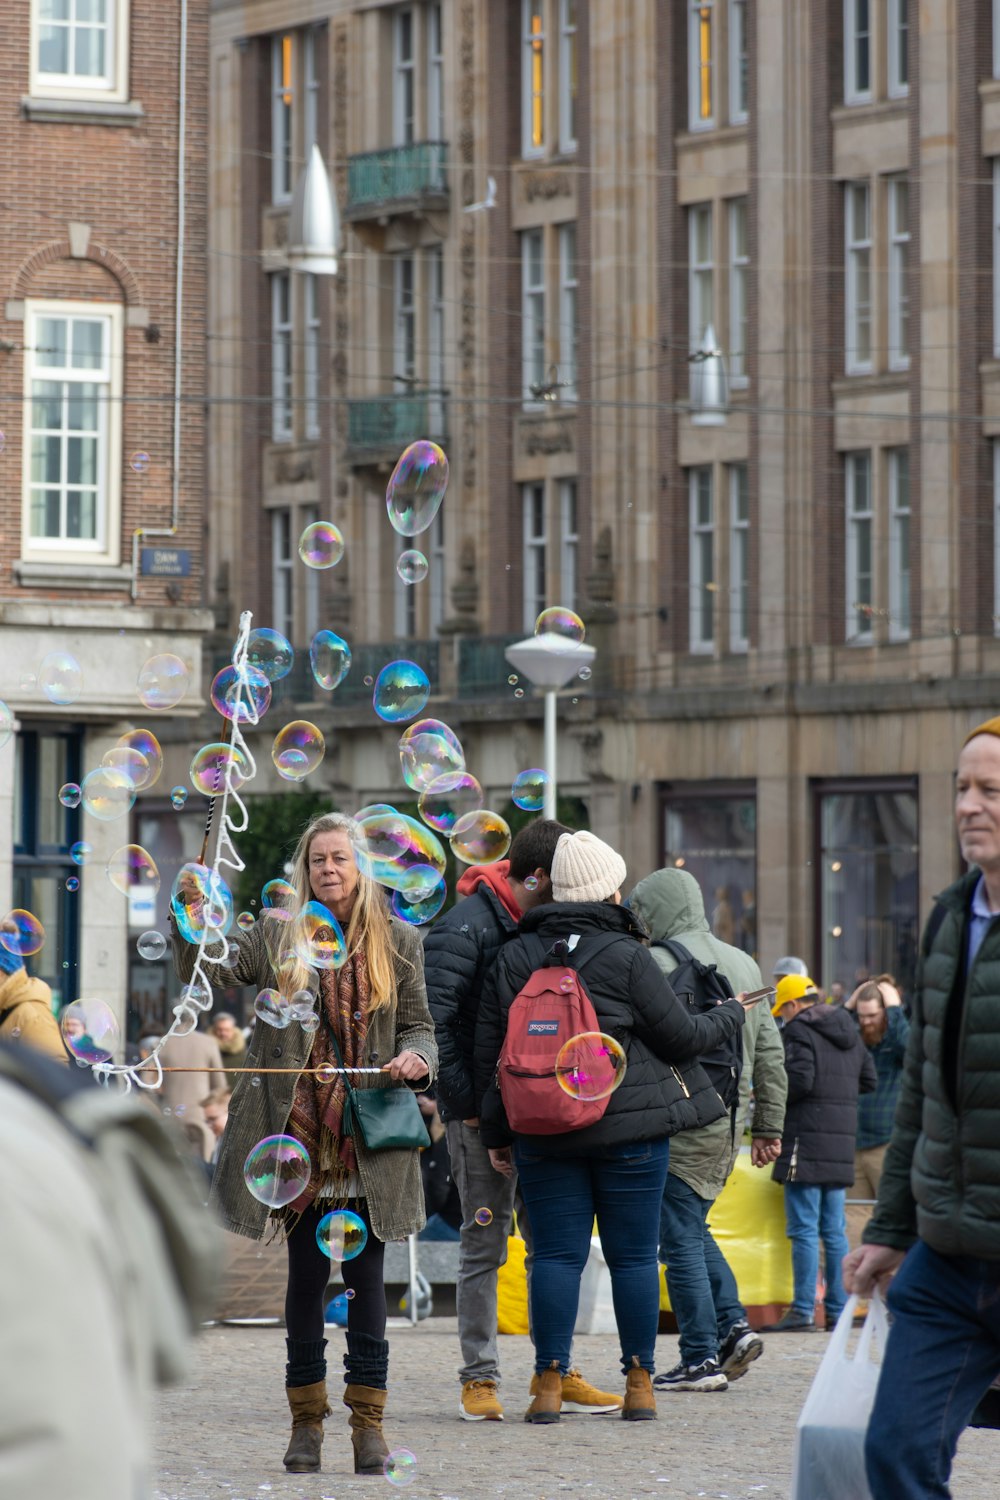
827,1066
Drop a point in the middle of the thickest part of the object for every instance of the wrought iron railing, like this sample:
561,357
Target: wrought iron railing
401,174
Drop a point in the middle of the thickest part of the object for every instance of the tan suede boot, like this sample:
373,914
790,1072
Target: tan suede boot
546,1405
640,1403
366,1406
309,1406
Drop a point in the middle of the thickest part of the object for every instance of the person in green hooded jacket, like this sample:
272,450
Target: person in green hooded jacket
717,1344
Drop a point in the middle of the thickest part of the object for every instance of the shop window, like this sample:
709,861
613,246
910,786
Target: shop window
710,830
44,832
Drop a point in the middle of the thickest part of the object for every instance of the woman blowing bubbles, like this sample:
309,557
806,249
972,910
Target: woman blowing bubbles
376,1006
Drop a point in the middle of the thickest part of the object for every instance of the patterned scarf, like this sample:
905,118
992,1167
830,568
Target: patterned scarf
317,1116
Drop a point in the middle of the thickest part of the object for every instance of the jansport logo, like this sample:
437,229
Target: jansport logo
543,1028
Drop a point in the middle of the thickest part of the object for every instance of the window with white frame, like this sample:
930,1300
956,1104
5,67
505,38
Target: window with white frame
898,279
310,580
701,567
701,275
438,572
739,557
404,321
282,101
72,473
858,300
739,63
79,48
739,263
281,357
996,256
403,78
702,45
532,77
568,64
532,311
569,544
310,350
857,52
435,74
534,558
899,543
435,335
282,574
898,50
311,45
859,537
569,330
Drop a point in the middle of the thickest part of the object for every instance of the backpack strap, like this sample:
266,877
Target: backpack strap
574,959
934,924
673,947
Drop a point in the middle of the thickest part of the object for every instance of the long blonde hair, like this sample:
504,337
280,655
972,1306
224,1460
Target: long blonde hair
368,929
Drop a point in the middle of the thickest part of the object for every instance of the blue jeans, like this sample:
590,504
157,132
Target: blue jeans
622,1187
814,1213
703,1292
942,1354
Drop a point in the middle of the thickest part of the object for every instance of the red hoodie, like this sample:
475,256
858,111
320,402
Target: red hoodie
495,876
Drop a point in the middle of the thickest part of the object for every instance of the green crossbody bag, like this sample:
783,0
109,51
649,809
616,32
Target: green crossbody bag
386,1119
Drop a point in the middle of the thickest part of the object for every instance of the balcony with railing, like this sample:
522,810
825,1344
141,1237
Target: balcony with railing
399,180
380,427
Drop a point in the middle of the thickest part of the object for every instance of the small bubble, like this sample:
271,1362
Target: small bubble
140,462
512,680
255,1082
72,883
357,1015
484,1216
350,1293
585,674
369,681
519,692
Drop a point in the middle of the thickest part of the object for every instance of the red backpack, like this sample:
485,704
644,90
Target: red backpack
552,1007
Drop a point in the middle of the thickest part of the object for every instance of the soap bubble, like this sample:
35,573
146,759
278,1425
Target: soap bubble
427,750
317,938
483,1216
151,945
212,763
6,723
145,741
310,1023
131,763
585,674
321,545
513,680
421,906
131,868
374,809
73,884
400,1467
528,790
245,921
389,844
330,659
278,893
201,902
341,1235
21,933
560,621
3,441
519,692
416,488
479,838
250,688
90,1030
271,1007
270,653
369,681
449,798
302,1005
277,1170
178,796
107,794
60,678
401,691
590,1066
412,566
69,795
162,682
139,462
298,749
530,882
80,852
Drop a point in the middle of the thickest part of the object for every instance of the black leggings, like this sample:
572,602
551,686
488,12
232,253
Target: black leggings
309,1271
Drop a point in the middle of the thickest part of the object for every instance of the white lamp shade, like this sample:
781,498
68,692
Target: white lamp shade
549,661
709,383
313,223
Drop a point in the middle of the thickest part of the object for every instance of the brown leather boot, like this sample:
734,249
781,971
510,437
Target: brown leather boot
309,1406
366,1405
547,1403
640,1403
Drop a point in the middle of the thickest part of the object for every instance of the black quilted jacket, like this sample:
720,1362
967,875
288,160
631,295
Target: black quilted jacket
459,951
664,1089
828,1065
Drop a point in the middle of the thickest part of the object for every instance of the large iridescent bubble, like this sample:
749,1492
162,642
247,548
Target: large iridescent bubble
60,678
131,762
528,789
449,798
389,844
130,868
416,902
401,691
213,763
330,659
270,653
249,688
201,902
90,1030
321,545
298,749
277,1170
163,681
317,937
427,750
21,933
145,741
107,793
480,838
560,621
416,488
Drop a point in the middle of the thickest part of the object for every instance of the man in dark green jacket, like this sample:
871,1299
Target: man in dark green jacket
936,1227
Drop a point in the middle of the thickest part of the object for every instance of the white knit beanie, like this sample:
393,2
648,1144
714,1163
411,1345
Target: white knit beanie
585,868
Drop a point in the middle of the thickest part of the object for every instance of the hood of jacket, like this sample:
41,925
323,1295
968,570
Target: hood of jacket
669,902
558,919
494,877
20,988
832,1021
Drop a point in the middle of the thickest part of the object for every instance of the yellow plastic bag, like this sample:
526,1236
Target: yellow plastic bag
512,1290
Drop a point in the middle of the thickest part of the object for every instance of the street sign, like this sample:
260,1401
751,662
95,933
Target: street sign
166,562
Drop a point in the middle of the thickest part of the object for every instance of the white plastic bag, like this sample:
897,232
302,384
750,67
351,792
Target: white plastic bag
829,1461
596,1313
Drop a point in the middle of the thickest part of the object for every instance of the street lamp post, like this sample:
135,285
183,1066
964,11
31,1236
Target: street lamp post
550,662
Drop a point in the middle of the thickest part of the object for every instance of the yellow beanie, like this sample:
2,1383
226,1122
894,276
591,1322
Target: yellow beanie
991,726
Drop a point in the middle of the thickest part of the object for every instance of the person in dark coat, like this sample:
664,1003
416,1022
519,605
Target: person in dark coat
827,1065
614,1169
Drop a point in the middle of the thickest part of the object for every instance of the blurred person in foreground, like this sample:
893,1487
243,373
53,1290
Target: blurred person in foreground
26,1009
934,1237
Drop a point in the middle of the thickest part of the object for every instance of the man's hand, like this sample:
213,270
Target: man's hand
502,1160
474,1122
764,1149
408,1066
870,1266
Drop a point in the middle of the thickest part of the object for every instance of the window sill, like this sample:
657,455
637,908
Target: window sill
870,380
865,109
81,111
74,577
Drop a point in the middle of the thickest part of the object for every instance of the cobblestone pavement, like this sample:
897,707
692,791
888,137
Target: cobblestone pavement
223,1435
